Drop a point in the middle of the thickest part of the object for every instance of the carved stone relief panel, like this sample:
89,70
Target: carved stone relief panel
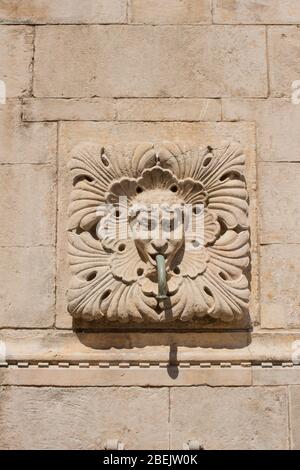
158,233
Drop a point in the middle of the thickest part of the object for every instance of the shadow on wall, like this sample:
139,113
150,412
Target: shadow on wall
129,340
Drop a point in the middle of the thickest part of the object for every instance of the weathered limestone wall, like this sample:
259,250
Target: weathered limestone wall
138,70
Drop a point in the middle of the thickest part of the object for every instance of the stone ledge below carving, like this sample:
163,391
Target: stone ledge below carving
61,346
62,358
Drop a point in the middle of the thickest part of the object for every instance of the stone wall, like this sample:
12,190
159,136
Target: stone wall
147,70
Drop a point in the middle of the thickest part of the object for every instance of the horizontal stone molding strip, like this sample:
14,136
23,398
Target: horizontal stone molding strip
62,358
65,347
144,365
154,376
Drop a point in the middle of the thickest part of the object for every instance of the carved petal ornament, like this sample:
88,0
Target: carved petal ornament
121,254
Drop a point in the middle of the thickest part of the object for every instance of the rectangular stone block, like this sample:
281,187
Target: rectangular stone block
131,61
209,133
170,12
277,125
83,418
25,143
279,282
276,375
279,193
256,11
284,52
27,205
168,109
295,417
15,59
51,109
62,11
230,418
27,287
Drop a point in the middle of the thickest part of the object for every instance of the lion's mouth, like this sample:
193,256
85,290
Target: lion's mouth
153,256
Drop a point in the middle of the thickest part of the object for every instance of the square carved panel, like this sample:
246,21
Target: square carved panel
158,234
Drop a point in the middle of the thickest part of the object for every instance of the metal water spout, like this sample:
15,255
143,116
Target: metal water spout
161,277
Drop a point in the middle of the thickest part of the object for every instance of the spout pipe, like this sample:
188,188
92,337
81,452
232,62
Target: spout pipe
161,277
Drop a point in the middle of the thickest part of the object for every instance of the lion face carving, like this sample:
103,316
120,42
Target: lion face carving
147,189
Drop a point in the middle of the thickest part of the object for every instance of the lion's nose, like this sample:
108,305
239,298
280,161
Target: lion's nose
160,245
